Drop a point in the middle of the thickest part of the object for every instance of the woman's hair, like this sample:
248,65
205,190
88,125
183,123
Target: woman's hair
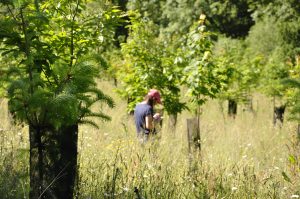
150,100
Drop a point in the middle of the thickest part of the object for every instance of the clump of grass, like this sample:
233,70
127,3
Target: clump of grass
14,154
14,176
292,173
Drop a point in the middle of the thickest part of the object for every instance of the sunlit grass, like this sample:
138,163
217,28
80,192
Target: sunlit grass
14,181
241,158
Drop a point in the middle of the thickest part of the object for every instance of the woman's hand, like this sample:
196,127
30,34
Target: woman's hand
157,117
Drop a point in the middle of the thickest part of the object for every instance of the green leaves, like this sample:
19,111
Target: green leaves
155,63
201,75
49,47
149,64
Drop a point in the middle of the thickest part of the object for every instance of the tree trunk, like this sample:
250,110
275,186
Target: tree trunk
232,108
53,162
67,169
36,163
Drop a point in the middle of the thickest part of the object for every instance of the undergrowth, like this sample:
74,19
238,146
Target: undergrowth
242,158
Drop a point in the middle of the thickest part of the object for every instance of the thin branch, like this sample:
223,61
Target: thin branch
27,48
72,34
12,14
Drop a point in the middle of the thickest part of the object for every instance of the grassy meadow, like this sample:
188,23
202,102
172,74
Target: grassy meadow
244,157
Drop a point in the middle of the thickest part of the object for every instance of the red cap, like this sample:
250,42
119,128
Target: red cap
155,95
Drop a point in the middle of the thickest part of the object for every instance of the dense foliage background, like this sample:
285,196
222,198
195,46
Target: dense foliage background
54,53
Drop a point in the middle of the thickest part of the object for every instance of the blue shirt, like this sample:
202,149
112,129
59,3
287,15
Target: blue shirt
140,113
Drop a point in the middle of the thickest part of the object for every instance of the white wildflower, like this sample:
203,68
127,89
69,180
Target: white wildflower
234,188
295,196
126,189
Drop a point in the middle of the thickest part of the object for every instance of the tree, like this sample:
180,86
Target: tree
178,16
51,82
243,72
275,38
202,77
149,63
231,18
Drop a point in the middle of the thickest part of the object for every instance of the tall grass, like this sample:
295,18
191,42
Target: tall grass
242,158
14,182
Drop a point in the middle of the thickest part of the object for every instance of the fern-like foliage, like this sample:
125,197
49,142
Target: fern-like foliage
51,70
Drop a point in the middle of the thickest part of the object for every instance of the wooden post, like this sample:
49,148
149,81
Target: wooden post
193,134
232,108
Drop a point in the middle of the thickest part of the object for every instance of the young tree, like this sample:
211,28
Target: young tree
243,73
202,77
51,83
149,63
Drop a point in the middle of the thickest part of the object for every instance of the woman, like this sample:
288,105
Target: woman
144,115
